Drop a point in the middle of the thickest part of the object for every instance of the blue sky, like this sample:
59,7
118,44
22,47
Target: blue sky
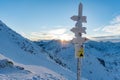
50,19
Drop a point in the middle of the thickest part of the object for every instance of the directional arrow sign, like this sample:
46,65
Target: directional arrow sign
77,18
77,30
79,40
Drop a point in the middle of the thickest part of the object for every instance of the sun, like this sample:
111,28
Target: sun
64,37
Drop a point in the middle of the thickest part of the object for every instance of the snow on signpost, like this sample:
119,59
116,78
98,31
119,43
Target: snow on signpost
79,40
78,30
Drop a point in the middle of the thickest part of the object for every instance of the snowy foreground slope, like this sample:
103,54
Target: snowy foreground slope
9,71
24,53
101,61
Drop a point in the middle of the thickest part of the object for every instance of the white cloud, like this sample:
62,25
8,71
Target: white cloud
114,27
60,33
97,29
116,20
65,36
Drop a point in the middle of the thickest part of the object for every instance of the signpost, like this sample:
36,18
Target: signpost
79,40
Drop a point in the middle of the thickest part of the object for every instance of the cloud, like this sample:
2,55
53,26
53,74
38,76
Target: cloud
116,20
39,36
97,29
65,36
114,27
60,33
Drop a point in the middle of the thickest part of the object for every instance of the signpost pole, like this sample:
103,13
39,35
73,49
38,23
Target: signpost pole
79,40
78,68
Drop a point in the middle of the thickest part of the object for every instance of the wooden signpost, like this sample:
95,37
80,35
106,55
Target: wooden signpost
79,40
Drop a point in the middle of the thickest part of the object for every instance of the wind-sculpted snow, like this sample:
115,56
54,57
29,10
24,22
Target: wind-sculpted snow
5,63
9,71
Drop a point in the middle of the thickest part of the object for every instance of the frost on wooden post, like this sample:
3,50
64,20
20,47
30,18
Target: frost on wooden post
78,30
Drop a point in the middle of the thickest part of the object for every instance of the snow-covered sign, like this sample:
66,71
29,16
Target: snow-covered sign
79,40
77,30
77,18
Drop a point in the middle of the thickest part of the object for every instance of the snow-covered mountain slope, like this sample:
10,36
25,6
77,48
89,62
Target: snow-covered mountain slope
93,66
23,51
61,53
108,54
9,71
9,36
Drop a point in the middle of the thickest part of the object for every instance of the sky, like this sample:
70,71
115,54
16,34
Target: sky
50,19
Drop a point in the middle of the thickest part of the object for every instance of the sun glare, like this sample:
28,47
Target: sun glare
65,37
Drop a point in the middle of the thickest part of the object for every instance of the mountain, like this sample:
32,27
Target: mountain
108,53
22,59
115,38
101,60
24,53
